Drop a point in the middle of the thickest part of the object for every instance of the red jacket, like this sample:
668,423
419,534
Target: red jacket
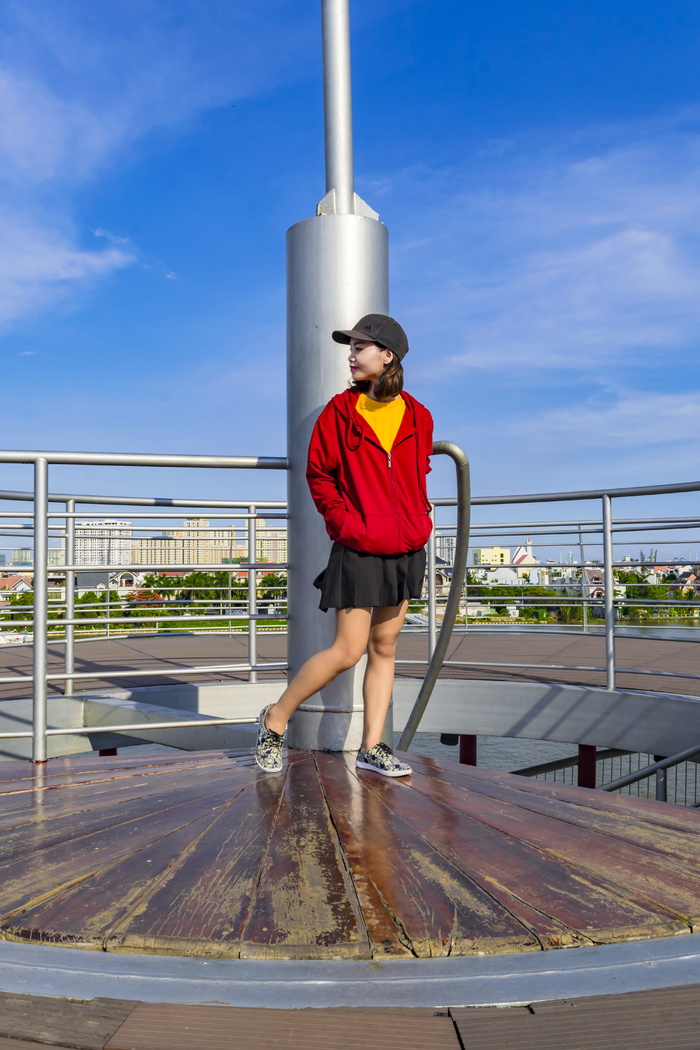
372,501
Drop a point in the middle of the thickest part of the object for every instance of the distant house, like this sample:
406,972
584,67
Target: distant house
15,585
686,581
594,586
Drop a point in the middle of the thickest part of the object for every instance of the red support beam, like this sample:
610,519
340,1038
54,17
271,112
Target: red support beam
467,749
586,765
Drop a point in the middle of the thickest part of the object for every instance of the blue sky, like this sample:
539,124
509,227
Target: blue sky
537,166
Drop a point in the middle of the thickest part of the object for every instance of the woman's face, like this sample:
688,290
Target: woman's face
367,361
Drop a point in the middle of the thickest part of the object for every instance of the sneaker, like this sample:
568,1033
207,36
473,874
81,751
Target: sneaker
268,746
381,759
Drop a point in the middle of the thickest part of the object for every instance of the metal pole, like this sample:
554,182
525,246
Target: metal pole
583,579
609,582
661,781
252,595
432,587
337,270
70,597
337,100
41,542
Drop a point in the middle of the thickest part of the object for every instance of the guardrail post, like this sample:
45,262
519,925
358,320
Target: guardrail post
69,657
609,584
252,595
661,781
432,587
582,557
40,625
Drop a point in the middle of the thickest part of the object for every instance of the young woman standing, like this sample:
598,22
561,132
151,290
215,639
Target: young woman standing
367,466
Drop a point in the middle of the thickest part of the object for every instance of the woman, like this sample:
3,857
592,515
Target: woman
368,460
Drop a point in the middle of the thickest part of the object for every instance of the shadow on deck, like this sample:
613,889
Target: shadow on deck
203,855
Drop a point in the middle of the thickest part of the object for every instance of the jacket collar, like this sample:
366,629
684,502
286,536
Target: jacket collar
345,405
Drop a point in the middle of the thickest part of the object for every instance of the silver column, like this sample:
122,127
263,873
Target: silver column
337,270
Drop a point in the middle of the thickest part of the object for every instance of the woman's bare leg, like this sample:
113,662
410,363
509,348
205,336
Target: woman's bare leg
379,676
352,628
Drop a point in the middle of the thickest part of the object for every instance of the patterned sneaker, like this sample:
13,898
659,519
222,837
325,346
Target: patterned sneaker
268,746
381,759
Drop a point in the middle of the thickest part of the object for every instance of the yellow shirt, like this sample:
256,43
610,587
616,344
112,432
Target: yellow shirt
384,417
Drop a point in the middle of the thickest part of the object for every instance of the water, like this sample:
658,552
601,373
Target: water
502,753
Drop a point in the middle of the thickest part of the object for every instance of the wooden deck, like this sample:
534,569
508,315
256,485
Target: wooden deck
203,855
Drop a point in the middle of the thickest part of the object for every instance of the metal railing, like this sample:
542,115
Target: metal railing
41,497
604,535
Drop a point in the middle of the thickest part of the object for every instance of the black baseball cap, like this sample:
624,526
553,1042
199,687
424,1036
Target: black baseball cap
379,329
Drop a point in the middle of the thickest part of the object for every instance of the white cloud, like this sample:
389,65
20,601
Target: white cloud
585,258
79,85
41,262
631,419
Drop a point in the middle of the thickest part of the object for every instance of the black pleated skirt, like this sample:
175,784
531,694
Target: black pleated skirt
352,580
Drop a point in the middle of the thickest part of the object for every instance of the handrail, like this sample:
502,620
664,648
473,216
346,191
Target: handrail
656,767
458,574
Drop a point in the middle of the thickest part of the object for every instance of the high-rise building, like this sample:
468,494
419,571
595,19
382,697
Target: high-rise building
195,544
445,548
491,556
106,542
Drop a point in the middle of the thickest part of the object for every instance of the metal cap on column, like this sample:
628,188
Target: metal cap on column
337,270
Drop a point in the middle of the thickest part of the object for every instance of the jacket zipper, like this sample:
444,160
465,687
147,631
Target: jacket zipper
396,502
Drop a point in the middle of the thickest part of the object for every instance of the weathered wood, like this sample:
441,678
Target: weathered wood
63,1022
201,907
26,880
663,883
638,809
589,908
670,842
84,914
42,827
440,909
305,905
206,855
385,931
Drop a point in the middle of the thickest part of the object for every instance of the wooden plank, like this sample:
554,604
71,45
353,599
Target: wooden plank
43,781
641,874
91,764
202,905
84,914
27,880
667,841
386,934
43,827
439,909
660,813
164,1027
590,908
67,1022
629,1021
304,905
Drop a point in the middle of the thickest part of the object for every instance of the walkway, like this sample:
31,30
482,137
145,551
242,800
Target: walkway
161,652
636,1021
